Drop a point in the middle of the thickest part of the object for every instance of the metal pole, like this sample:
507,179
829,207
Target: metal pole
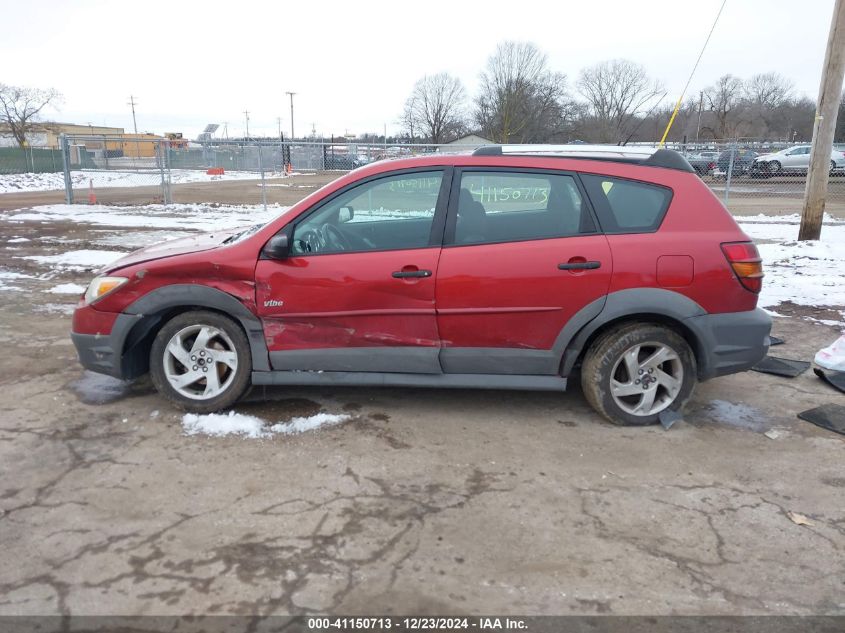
830,94
733,152
263,183
160,156
246,114
168,192
65,145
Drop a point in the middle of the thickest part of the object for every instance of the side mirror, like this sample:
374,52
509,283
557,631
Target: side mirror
278,247
345,214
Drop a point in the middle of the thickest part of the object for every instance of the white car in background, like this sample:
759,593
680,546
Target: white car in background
794,159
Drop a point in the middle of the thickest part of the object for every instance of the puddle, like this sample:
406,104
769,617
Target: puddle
95,388
280,409
740,416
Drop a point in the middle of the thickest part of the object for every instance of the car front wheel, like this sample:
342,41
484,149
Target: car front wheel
631,374
201,361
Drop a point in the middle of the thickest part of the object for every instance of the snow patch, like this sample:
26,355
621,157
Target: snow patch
104,179
67,289
809,273
17,240
77,260
195,217
250,426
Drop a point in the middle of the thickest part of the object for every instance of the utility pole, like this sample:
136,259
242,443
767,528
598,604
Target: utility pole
698,128
226,130
291,114
246,114
830,94
279,119
133,103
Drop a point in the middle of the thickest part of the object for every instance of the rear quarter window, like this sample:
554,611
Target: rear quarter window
627,206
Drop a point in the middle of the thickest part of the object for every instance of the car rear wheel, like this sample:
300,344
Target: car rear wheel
633,373
201,361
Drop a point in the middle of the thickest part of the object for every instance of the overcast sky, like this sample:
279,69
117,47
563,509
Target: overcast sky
353,63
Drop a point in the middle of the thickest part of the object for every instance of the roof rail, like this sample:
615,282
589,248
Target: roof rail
647,156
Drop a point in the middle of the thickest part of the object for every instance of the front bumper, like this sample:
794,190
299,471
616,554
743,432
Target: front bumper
101,341
97,353
730,342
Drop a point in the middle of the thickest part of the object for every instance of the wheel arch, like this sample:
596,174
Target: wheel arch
636,305
137,326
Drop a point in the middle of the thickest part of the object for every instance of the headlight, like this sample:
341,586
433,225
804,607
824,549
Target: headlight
101,286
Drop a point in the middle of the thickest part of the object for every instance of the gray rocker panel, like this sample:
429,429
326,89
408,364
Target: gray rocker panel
382,379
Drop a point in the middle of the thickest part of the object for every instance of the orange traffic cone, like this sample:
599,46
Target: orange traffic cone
92,197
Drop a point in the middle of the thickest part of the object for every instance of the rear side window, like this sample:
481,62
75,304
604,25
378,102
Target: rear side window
501,206
627,206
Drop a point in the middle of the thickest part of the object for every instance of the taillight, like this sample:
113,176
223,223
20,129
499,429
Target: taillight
746,263
711,166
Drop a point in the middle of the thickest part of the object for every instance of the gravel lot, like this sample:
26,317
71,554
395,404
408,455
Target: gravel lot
425,501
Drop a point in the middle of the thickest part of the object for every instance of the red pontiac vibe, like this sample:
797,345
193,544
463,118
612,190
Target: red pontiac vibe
516,267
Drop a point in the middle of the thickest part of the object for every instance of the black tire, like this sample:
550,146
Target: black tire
832,167
773,168
240,380
607,350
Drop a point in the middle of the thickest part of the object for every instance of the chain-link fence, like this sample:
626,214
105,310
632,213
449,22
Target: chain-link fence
127,170
761,176
115,170
750,176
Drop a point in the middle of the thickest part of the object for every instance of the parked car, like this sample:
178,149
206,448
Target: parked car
795,160
743,160
511,268
342,161
704,162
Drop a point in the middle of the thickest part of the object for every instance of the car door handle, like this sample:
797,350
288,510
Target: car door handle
579,266
403,274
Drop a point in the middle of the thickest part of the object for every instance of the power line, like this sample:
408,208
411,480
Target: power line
694,68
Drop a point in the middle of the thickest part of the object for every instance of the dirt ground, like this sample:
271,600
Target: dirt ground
426,501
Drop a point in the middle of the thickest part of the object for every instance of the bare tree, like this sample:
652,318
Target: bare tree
435,108
20,108
768,97
768,91
617,92
724,100
520,100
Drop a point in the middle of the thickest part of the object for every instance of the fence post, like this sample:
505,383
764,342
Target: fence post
161,158
64,143
168,196
733,150
263,184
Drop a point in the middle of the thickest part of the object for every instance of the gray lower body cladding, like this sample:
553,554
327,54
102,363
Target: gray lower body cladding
97,354
724,343
730,342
